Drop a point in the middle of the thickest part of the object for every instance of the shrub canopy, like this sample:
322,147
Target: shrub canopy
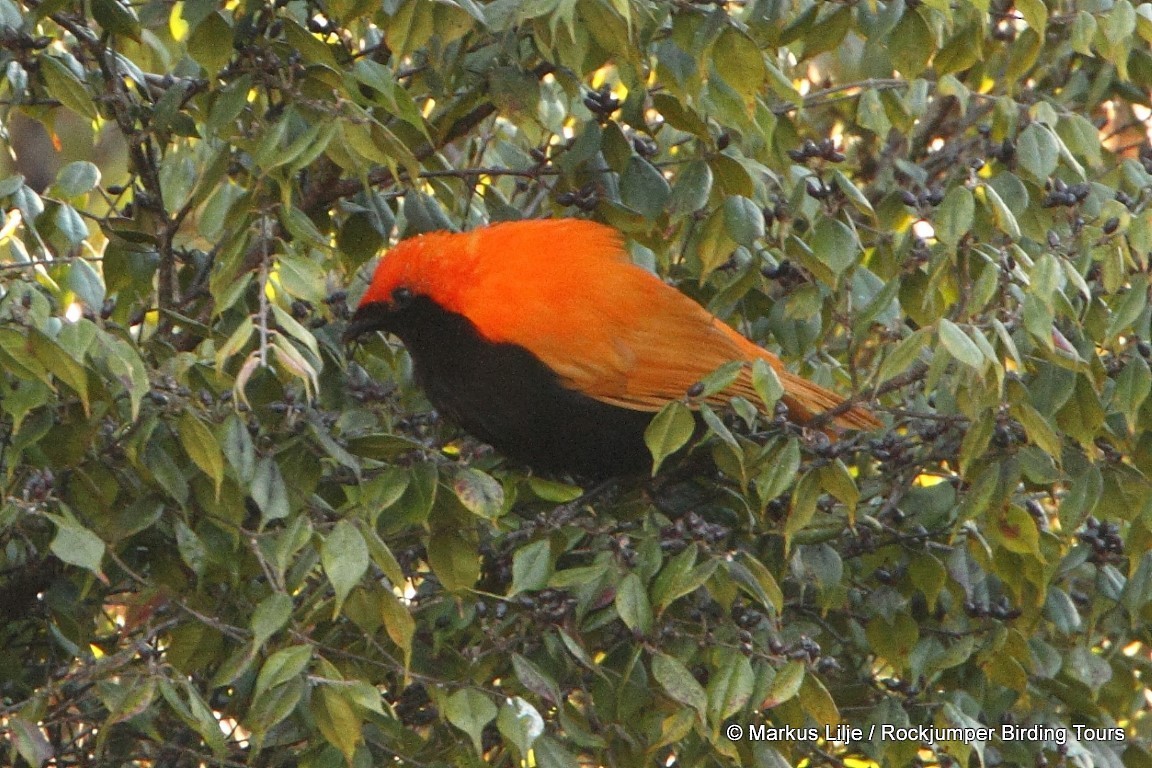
226,541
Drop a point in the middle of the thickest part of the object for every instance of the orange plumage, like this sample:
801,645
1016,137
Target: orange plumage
565,292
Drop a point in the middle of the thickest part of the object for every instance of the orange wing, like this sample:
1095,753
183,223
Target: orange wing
612,330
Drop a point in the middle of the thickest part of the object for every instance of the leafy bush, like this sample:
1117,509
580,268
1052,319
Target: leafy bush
227,542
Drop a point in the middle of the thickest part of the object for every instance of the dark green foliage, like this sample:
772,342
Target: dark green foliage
225,541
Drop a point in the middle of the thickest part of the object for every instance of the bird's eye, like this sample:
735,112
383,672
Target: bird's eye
402,297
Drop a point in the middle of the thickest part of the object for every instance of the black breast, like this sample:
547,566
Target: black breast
505,396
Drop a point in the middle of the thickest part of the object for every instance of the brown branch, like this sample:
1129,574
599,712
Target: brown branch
913,374
141,152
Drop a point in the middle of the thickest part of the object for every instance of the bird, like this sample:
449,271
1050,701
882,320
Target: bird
543,339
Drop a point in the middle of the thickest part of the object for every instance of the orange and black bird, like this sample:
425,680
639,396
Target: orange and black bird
543,340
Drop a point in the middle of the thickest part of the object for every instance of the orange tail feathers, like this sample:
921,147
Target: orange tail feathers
806,401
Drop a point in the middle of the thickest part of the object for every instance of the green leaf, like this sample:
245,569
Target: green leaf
86,283
76,545
669,431
691,189
1038,152
238,664
744,220
1017,531
782,86
827,33
764,586
454,559
818,702
71,224
549,753
1062,612
520,723
835,245
643,188
1035,14
713,245
893,639
270,616
116,18
282,666
202,448
235,343
479,493
959,53
718,380
870,113
398,623
785,684
854,194
1144,21
554,491
66,87
11,184
300,226
337,720
191,548
1083,33
1002,215
515,93
1119,24
740,63
678,578
960,345
536,680
273,707
929,576
77,178
1128,309
344,555
1140,228
469,710
31,743
632,604
1039,431
679,683
531,567
903,355
954,217
1081,137
60,364
803,508
1133,386
767,385
729,687
911,43
837,480
269,490
1137,592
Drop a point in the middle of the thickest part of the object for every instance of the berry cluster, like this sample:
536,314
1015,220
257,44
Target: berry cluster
1060,193
928,199
825,150
602,103
691,527
586,198
1104,538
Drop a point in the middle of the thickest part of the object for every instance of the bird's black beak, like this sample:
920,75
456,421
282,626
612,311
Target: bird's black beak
369,317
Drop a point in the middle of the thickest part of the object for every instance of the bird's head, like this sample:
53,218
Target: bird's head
487,275
432,268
